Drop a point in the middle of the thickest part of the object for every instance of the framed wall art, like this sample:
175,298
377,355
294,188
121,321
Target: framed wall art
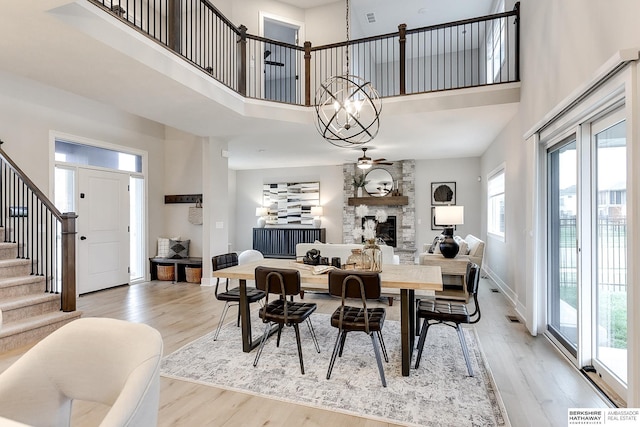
443,193
290,203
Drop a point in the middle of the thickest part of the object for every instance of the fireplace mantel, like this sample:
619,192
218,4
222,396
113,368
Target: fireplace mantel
379,201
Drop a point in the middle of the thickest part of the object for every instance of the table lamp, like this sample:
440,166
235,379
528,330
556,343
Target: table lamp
316,212
261,213
449,216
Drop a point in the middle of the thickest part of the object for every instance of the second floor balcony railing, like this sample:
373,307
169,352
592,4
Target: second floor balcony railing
463,54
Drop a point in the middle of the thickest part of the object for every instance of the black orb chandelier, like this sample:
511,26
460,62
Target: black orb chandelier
347,107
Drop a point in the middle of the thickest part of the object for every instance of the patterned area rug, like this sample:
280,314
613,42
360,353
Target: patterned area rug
438,393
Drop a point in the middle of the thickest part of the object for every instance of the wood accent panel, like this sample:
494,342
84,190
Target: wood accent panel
379,201
281,242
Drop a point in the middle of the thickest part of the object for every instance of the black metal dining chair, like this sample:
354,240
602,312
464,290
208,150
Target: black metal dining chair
231,296
282,312
349,284
440,311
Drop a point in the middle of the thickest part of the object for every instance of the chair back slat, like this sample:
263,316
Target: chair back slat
473,278
370,279
219,262
270,283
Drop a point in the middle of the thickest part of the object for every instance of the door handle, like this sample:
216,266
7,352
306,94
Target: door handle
83,237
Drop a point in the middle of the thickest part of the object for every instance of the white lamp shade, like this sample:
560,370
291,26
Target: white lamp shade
449,215
262,211
316,211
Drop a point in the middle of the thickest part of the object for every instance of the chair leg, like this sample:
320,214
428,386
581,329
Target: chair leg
313,334
280,326
423,337
343,338
465,350
384,348
334,354
238,320
295,327
378,360
267,328
224,313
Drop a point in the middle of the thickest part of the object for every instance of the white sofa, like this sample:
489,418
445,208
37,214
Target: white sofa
475,250
343,250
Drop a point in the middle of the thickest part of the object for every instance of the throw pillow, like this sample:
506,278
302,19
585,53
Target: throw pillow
463,245
178,248
163,246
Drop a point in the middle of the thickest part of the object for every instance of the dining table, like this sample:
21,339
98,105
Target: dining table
406,277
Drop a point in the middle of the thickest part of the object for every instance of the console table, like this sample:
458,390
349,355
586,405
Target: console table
281,242
179,265
454,274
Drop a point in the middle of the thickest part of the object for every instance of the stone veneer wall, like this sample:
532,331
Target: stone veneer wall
403,173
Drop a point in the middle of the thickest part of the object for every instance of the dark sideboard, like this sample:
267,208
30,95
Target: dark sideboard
281,242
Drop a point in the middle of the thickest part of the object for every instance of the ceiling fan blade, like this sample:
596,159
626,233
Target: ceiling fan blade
384,163
380,160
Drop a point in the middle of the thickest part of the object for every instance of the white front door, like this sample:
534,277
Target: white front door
103,230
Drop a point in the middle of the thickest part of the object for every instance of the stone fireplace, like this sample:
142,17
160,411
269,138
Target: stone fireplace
402,208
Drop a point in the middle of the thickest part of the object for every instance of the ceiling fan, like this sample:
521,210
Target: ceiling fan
365,162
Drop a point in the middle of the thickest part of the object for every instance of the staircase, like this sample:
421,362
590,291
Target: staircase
29,313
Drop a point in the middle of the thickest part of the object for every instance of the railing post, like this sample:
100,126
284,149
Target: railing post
307,74
173,25
517,23
68,298
402,30
242,61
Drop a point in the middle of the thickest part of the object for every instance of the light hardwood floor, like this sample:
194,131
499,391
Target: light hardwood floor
536,383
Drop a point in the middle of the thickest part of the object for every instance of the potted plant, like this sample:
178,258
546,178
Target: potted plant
359,182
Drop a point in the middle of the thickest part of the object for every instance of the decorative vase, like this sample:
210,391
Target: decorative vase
359,192
358,260
374,254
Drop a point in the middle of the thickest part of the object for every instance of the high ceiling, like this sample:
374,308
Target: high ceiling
71,46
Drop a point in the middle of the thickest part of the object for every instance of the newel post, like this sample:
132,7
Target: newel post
402,32
307,74
68,299
242,61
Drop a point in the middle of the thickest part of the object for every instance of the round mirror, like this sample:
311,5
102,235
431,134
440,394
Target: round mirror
379,182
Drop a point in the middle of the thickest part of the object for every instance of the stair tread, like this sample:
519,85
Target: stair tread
12,303
20,280
34,322
14,261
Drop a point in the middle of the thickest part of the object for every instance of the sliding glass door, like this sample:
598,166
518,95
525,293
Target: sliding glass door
562,245
610,249
586,257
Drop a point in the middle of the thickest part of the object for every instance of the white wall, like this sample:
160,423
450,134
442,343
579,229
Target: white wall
29,111
464,172
563,43
249,185
183,166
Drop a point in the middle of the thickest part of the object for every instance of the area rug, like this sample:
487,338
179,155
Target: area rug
438,393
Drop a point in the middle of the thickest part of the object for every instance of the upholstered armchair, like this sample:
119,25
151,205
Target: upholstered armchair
109,361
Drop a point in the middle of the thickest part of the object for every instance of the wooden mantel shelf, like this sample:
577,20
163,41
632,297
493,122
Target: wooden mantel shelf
379,201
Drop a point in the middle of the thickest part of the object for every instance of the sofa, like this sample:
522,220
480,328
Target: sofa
343,250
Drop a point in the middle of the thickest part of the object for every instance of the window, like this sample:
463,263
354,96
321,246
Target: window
495,203
495,42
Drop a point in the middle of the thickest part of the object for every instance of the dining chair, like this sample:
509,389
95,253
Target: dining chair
231,296
282,312
451,313
349,284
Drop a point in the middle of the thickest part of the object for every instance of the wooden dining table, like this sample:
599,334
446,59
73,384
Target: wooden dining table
406,277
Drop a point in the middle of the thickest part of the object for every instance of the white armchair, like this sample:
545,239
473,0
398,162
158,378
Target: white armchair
108,361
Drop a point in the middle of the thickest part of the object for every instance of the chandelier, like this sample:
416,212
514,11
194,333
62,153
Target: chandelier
347,107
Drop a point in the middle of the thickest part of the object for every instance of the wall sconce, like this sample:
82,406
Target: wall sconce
449,216
316,212
261,213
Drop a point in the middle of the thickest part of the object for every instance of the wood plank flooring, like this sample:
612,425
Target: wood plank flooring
536,383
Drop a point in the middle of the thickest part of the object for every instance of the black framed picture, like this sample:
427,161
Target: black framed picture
433,221
443,193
